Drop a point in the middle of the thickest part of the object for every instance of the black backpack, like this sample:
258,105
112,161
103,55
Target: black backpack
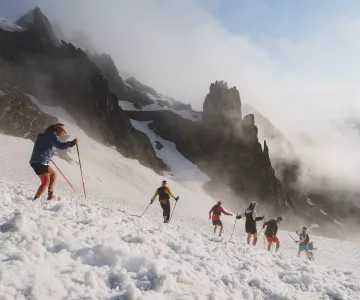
215,210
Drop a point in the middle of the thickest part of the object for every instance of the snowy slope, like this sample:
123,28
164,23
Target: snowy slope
101,249
9,26
182,168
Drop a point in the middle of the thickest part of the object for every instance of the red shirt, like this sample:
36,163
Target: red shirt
217,217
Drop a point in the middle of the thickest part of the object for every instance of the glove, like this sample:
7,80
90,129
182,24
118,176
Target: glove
177,198
151,201
238,217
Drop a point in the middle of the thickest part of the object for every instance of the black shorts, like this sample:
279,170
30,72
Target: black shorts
166,210
250,228
217,222
40,169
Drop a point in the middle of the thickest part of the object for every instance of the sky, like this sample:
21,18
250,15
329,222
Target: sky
297,62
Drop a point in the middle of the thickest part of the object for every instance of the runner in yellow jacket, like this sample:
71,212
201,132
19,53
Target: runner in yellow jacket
164,194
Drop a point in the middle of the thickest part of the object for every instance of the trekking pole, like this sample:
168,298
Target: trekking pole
233,229
82,177
264,233
172,212
145,210
63,175
293,238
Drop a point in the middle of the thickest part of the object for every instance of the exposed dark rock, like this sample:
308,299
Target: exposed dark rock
116,84
137,105
222,113
177,105
18,115
163,103
163,165
222,106
158,145
283,157
38,23
67,77
137,85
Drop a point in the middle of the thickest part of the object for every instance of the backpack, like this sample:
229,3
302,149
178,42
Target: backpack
215,210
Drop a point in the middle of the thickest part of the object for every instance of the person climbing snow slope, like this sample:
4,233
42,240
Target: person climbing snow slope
271,231
303,242
42,154
250,223
164,198
216,211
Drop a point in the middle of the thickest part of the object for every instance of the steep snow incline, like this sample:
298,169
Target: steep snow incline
101,249
181,168
107,173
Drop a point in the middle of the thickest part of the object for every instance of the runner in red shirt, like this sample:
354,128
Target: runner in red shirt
216,211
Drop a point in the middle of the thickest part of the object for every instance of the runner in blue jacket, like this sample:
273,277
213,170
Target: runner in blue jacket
42,154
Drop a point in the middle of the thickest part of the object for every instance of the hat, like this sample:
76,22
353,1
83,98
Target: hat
60,126
164,182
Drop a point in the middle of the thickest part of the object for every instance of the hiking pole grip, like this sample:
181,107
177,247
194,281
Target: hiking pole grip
82,177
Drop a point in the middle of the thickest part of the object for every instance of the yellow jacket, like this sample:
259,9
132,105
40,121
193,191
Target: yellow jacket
164,194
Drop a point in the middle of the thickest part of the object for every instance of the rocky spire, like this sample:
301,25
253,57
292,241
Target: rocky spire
35,21
222,104
222,113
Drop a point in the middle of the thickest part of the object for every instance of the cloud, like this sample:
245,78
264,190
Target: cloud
179,47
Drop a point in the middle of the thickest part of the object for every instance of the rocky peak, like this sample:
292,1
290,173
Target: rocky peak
222,112
35,21
222,104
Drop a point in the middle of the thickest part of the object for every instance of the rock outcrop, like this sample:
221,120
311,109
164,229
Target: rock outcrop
18,115
66,76
137,85
122,90
224,146
222,113
222,105
36,22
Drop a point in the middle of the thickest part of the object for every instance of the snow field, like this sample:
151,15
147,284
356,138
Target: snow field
101,249
183,169
87,243
76,249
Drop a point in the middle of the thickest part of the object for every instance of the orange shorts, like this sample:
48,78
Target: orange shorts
272,239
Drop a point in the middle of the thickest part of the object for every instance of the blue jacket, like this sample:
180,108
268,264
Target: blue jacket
44,145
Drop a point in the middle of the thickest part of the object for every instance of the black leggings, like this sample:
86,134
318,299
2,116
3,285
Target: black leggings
166,210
